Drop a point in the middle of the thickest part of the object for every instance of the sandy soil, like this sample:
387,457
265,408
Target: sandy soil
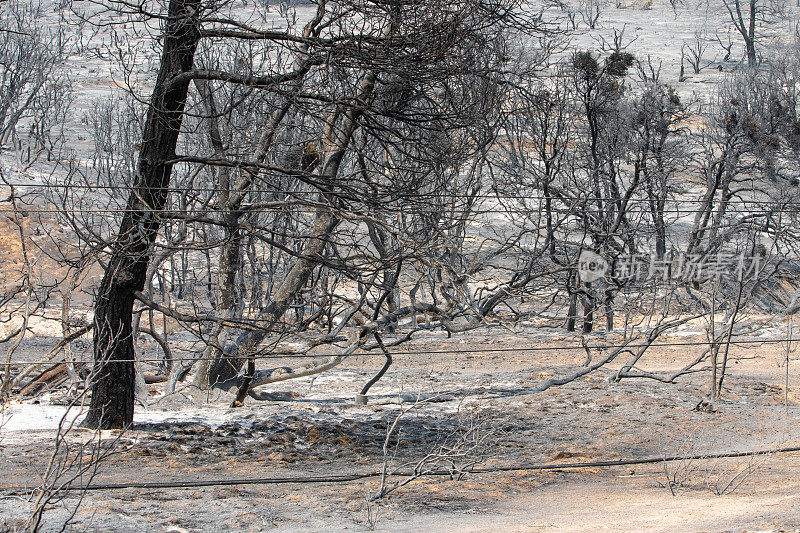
314,428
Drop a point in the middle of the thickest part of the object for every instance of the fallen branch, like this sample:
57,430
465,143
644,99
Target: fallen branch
86,328
274,375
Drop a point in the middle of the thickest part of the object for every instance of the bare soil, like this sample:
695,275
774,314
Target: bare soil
314,428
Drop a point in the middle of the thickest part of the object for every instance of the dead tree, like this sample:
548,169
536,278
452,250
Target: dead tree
409,94
695,49
34,87
749,18
112,399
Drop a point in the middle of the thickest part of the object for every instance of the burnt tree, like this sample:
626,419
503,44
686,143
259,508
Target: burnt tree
113,384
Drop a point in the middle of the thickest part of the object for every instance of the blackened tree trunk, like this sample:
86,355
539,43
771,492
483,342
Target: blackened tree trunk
337,138
750,38
588,309
113,383
747,28
572,313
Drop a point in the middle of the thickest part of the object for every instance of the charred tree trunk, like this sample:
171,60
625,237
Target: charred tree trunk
609,305
225,371
216,365
588,309
114,381
750,38
337,140
572,312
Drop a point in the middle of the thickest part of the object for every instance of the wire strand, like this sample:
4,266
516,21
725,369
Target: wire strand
312,479
403,195
459,351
